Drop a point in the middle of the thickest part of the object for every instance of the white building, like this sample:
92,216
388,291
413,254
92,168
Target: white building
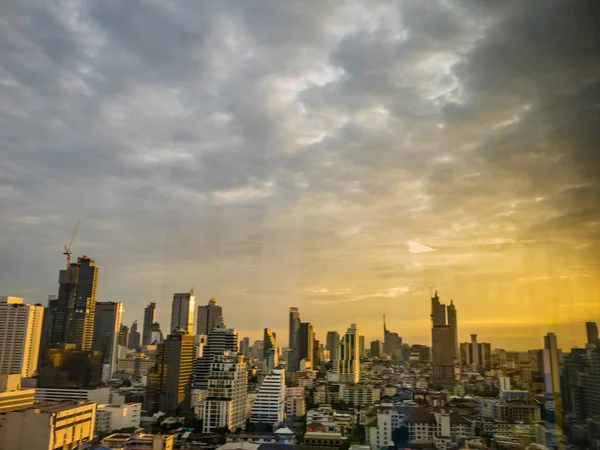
295,404
348,366
20,333
269,405
225,404
100,395
48,426
421,425
116,417
359,395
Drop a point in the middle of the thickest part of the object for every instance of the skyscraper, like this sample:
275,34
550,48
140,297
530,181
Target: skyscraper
376,348
453,323
20,334
361,346
333,344
134,336
245,347
225,405
182,312
208,317
392,343
305,341
149,319
170,382
442,353
476,355
551,364
124,336
107,322
349,363
70,316
591,330
438,311
270,355
293,355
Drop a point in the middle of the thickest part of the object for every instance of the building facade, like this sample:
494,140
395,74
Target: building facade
269,405
209,316
116,417
149,319
182,312
348,365
107,323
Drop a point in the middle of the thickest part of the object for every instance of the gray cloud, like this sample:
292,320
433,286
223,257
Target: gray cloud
264,151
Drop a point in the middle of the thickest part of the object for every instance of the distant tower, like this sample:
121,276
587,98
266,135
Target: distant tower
149,319
208,317
270,355
107,323
591,329
306,341
349,363
182,312
333,345
293,355
453,323
135,339
551,364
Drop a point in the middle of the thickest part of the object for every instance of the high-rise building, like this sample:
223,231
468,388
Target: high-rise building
316,355
442,352
156,335
349,363
124,336
69,318
149,319
333,345
135,339
293,355
65,366
20,334
392,343
245,347
476,355
591,330
305,341
107,322
218,342
376,349
182,312
453,323
225,405
361,346
170,382
438,311
551,365
208,317
270,352
269,405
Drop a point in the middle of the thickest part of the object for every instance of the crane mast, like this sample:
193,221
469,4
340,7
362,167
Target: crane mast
67,251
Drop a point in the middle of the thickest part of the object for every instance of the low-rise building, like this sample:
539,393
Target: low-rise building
359,395
49,426
12,396
100,395
116,417
139,441
322,439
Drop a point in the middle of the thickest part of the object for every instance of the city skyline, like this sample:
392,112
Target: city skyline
344,159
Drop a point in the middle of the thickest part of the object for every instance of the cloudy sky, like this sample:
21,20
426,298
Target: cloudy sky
278,153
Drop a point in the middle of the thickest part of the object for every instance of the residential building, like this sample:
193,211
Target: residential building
348,365
49,426
376,349
149,319
359,395
139,441
107,322
100,395
139,365
116,417
322,439
20,334
225,404
218,342
269,405
293,356
170,381
182,312
333,345
12,395
209,317
295,403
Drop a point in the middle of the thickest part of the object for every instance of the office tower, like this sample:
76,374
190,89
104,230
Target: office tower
49,425
20,334
245,347
208,317
453,323
591,330
270,353
225,405
361,346
70,316
107,322
392,343
438,311
349,363
124,336
134,336
170,381
316,356
269,405
149,319
182,312
218,342
333,344
551,365
376,349
305,341
156,335
293,355
476,355
442,350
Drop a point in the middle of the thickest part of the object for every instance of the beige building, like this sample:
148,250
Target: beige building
12,397
20,333
48,426
139,441
116,417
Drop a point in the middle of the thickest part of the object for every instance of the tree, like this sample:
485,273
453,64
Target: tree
400,436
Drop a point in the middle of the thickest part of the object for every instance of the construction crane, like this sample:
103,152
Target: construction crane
67,251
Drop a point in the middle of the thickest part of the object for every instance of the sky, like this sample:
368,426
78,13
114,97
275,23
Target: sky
295,153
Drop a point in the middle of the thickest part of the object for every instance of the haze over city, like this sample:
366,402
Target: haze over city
273,155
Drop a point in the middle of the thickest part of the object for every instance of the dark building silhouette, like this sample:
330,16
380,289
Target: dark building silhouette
134,336
149,319
209,316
